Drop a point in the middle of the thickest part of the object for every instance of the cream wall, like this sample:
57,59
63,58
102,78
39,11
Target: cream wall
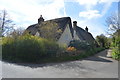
76,36
37,34
66,37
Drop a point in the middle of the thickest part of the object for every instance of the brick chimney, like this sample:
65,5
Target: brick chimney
74,24
40,19
86,29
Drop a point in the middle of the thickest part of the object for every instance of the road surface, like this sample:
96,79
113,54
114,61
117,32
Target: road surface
97,66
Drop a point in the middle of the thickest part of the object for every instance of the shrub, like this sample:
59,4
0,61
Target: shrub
116,54
116,48
80,45
51,48
27,48
71,49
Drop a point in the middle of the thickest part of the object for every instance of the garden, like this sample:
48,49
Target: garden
33,49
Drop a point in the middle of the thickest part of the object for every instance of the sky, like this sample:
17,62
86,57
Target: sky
90,13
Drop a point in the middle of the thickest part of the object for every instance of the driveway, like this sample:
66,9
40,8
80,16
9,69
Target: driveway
97,66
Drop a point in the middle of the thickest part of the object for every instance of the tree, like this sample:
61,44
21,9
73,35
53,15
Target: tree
113,23
16,33
6,24
103,41
49,30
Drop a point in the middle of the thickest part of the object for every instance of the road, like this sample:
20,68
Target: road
97,66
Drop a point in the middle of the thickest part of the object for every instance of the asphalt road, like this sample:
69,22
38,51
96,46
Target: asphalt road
98,66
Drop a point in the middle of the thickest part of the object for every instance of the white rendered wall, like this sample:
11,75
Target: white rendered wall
66,37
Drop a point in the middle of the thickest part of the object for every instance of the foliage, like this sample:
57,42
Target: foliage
84,49
72,49
116,53
49,30
6,24
79,45
103,41
16,32
27,48
114,30
71,58
113,23
51,48
116,46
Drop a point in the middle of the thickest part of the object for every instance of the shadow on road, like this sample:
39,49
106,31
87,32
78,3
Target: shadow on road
31,65
98,59
101,57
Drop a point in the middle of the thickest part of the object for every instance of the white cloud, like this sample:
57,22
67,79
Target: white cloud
90,4
87,2
29,11
90,14
107,4
107,1
94,29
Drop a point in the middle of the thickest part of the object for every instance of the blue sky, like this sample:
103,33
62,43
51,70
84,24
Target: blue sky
91,13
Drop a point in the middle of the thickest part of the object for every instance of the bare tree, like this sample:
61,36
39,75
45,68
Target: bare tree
16,32
5,22
113,23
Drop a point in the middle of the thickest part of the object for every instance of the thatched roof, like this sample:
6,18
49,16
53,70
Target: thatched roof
84,35
61,24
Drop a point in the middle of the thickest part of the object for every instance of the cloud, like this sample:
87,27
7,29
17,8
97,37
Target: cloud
94,29
28,11
87,2
107,1
90,14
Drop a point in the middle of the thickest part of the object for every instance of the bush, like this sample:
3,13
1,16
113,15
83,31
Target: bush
27,48
51,48
85,49
115,54
72,49
116,48
79,45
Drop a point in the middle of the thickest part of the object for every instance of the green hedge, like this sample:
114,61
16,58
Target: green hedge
72,58
27,48
116,53
116,48
80,45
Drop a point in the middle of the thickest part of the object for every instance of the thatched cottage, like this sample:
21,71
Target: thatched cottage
61,30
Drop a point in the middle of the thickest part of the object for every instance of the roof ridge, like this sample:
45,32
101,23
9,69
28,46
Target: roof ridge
58,18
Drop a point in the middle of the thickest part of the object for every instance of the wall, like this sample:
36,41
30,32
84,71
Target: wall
66,37
76,36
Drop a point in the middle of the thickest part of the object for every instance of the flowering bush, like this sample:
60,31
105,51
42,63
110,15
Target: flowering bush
80,45
27,48
71,49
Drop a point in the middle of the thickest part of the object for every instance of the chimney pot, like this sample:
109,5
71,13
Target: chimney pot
41,19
